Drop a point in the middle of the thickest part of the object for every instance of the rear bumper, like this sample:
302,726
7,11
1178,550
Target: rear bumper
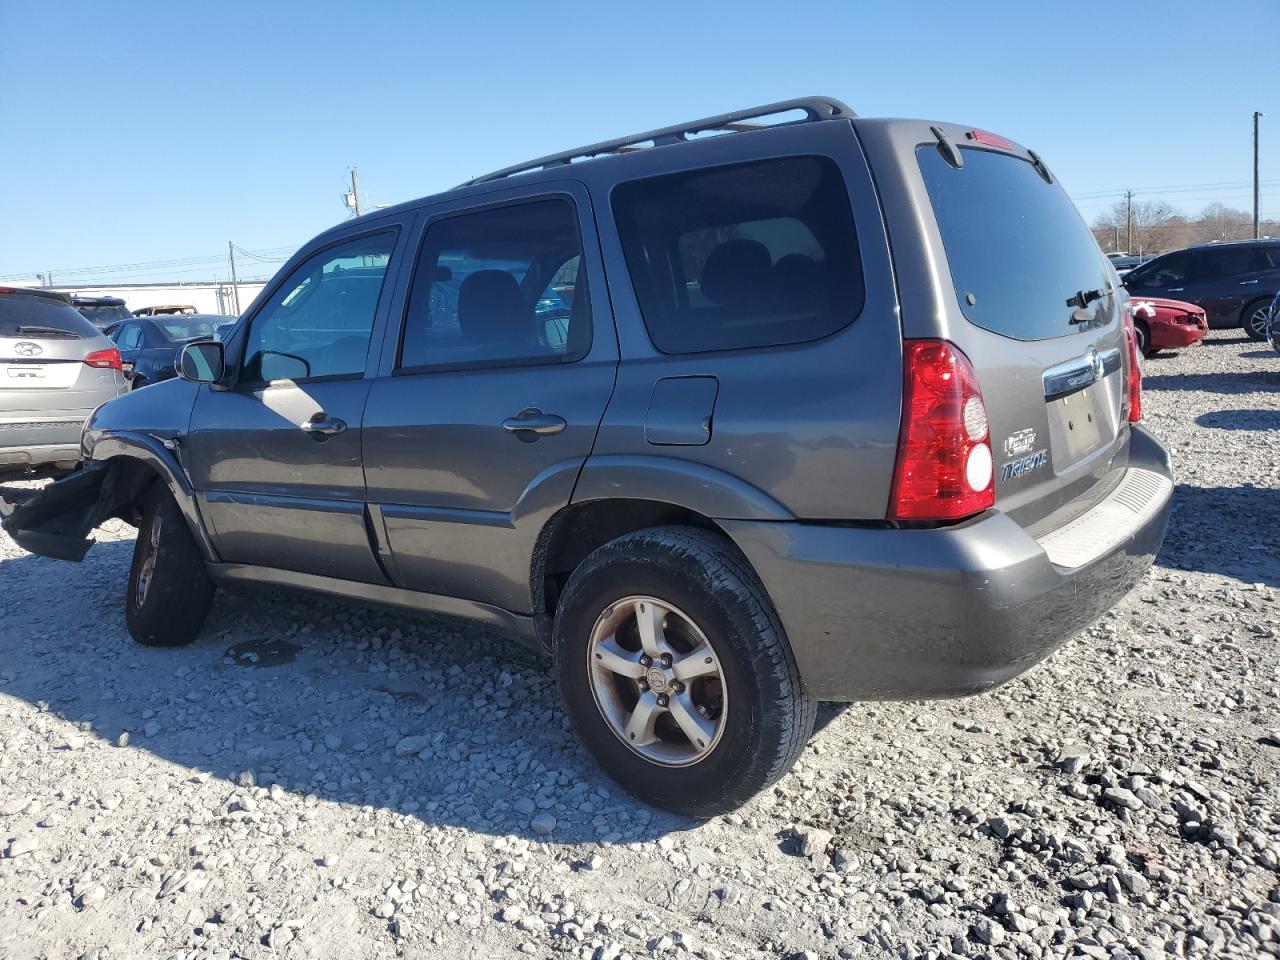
32,441
879,614
1174,336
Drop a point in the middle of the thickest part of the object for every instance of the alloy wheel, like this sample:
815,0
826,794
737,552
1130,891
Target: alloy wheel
657,681
147,568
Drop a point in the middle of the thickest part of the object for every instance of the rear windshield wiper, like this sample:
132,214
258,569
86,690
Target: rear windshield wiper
1081,300
35,330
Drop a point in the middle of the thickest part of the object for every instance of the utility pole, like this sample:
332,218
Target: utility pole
235,286
1128,220
355,189
1256,115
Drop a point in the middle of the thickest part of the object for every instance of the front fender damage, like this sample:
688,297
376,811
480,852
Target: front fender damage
56,520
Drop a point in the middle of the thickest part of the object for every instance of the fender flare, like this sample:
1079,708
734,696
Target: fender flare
160,456
682,483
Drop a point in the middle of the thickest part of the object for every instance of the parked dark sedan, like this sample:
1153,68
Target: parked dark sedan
150,345
1233,282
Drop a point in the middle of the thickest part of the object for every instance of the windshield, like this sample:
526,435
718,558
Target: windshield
1018,249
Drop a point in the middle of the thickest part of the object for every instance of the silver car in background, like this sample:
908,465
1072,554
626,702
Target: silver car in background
55,369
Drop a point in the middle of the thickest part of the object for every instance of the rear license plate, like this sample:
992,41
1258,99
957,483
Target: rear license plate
26,371
1079,425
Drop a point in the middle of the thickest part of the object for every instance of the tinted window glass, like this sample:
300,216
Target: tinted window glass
499,286
1166,271
27,315
1224,262
317,324
100,314
1268,257
1017,248
752,255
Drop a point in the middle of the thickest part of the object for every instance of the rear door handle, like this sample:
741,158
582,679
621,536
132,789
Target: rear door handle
1176,289
531,423
321,426
1243,282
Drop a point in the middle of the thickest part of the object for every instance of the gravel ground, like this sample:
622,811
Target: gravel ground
313,779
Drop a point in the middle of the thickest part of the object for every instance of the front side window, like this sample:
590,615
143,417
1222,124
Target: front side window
318,322
499,286
1167,271
750,255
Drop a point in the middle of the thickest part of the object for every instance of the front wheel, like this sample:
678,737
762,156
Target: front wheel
1143,336
677,673
169,591
1255,317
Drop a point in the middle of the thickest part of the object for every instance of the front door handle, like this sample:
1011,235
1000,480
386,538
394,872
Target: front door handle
1244,282
531,423
321,426
1176,289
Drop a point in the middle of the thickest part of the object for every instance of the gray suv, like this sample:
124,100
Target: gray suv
55,368
817,408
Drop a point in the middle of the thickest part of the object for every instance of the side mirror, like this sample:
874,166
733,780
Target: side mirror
202,362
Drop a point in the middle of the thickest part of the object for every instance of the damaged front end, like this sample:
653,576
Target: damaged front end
56,520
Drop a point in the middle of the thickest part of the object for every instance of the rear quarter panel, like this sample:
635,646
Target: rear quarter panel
814,426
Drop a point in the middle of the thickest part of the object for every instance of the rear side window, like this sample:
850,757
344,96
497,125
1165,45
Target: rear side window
499,286
751,255
1018,249
26,315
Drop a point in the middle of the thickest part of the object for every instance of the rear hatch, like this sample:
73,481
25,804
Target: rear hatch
44,345
1043,324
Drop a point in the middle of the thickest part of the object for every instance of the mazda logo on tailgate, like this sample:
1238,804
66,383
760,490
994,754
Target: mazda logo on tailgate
27,349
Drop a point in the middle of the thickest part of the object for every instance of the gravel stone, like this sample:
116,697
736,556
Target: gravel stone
1118,800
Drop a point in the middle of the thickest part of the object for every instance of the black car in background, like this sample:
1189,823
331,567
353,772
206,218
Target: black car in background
1233,282
150,345
101,311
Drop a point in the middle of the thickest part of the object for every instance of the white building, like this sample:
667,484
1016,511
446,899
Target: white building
206,297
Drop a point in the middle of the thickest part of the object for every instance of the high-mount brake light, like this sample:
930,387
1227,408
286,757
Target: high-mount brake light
988,139
945,470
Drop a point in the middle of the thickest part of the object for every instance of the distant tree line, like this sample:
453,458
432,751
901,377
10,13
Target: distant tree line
1159,227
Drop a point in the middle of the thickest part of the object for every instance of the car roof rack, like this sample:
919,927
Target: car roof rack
815,108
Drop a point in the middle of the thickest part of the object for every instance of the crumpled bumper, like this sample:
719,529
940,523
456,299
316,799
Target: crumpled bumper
56,520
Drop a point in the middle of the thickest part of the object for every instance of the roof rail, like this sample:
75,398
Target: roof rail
815,108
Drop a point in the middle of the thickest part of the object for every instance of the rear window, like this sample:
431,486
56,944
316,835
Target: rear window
1018,249
751,255
102,314
24,315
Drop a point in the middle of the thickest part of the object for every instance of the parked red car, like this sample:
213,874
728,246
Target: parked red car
1167,324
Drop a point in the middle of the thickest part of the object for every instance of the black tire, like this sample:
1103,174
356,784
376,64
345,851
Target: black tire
168,599
1253,318
769,718
1143,334
137,383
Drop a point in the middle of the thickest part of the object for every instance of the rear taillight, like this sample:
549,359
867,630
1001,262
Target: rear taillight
945,468
108,359
1132,407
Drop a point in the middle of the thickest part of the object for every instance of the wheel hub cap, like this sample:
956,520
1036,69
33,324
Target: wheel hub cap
657,681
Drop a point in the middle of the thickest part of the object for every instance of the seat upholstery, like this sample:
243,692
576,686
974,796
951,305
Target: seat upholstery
492,312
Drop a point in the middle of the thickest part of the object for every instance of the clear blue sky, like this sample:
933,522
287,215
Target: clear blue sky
145,131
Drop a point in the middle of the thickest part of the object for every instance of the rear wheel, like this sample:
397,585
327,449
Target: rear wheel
169,590
1254,317
137,382
677,673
